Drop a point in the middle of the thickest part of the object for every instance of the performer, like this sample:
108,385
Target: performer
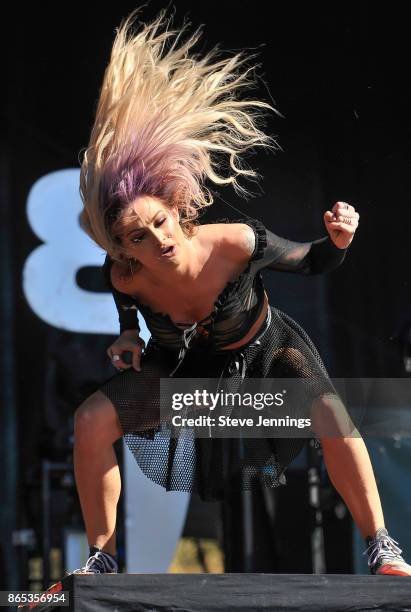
168,120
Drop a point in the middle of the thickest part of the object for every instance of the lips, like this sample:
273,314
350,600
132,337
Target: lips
167,251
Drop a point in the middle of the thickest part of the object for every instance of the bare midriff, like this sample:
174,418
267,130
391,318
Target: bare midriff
256,326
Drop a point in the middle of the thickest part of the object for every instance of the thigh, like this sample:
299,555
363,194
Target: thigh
292,354
136,395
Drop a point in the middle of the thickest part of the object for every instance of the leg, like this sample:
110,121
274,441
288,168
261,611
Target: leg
349,467
348,463
345,454
350,470
96,469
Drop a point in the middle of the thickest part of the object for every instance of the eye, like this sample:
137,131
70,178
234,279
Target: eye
139,239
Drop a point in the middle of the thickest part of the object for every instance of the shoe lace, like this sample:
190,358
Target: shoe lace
94,563
382,550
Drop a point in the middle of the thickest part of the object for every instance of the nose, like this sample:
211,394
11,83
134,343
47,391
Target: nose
160,237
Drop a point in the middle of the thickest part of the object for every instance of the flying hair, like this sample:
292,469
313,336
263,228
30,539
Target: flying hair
167,120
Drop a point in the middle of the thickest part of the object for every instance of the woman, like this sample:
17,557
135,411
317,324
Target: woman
166,121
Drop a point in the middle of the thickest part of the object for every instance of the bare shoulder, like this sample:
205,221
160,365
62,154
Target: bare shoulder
235,240
246,238
121,279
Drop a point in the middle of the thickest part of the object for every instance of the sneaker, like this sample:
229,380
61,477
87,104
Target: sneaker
98,563
384,556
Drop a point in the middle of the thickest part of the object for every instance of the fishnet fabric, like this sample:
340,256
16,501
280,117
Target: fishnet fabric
212,466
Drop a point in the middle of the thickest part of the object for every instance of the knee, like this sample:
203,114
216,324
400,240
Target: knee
84,419
96,420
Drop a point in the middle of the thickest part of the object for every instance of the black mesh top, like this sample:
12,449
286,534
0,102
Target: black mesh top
240,303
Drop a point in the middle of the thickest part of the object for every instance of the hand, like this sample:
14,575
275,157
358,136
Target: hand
128,341
341,223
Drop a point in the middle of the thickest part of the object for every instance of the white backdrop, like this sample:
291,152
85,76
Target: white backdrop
154,519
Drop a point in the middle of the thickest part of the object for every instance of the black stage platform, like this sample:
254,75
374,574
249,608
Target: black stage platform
235,592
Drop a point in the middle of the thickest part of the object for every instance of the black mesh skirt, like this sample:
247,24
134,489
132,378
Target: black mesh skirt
209,466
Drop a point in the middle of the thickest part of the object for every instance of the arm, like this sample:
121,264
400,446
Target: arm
126,306
316,257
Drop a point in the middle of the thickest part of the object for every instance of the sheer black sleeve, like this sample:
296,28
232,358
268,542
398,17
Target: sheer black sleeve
125,304
276,253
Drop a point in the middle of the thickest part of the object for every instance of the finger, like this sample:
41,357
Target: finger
350,219
328,217
342,215
121,366
136,352
345,227
137,360
118,363
343,207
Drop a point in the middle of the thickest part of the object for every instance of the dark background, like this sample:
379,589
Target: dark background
338,72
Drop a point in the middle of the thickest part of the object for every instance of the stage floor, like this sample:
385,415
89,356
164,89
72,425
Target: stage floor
235,592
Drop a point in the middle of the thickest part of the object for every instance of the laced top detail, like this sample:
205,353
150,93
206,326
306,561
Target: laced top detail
382,549
240,302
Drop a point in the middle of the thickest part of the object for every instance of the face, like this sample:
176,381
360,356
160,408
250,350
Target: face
148,230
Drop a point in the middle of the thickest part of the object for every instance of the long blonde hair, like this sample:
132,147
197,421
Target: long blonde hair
165,120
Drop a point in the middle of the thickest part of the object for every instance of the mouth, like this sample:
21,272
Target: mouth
168,251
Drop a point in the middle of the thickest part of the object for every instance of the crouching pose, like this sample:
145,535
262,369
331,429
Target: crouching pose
166,122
